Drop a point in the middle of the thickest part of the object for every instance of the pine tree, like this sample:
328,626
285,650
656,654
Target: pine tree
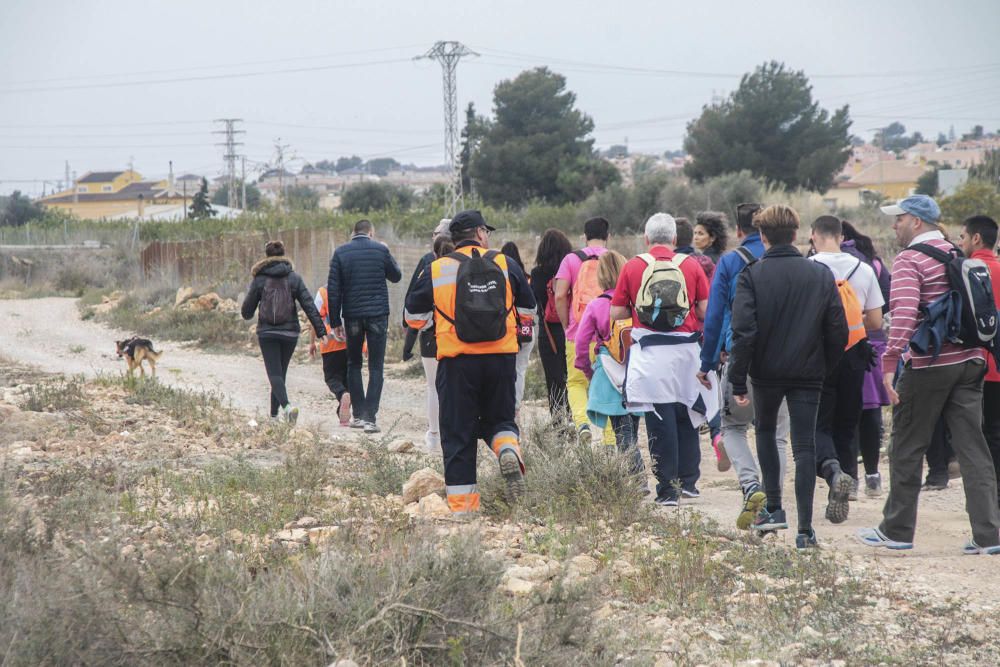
201,207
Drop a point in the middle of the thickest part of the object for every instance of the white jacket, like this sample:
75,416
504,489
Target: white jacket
666,373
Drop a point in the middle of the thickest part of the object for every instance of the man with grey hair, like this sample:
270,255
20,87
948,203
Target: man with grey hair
666,296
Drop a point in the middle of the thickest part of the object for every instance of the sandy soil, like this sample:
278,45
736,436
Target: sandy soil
49,334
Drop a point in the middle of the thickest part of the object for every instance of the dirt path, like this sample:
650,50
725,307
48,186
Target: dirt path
48,333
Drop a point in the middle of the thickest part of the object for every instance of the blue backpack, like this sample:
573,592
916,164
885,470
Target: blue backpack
966,314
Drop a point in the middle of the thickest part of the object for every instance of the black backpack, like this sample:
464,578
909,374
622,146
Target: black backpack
970,278
276,303
480,298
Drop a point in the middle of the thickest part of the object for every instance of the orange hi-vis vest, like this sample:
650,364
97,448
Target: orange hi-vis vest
331,344
444,272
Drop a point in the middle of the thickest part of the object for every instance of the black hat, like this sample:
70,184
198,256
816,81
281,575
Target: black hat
465,220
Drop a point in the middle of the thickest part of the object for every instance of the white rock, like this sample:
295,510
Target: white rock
322,534
809,632
518,586
423,482
583,565
183,294
306,522
292,535
433,505
344,662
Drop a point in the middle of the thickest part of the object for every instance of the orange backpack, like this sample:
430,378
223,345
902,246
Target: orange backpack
853,310
586,288
619,336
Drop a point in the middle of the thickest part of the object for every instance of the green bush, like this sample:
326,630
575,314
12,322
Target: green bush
56,395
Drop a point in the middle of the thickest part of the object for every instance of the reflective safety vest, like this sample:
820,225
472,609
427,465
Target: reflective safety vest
331,345
444,272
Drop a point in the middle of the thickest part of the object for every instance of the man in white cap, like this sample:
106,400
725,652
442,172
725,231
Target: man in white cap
949,384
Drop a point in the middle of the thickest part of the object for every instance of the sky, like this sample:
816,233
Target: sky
101,84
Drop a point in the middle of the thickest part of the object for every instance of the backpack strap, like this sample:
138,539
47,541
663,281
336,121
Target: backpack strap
583,256
935,253
748,257
856,267
604,296
647,257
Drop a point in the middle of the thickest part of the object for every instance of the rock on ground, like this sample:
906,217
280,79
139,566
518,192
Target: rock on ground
422,483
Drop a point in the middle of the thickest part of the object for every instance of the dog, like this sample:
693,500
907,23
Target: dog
136,350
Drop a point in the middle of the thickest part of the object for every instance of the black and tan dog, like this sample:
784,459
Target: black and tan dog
135,350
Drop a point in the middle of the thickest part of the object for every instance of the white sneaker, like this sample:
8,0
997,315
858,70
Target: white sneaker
370,427
356,423
432,443
291,414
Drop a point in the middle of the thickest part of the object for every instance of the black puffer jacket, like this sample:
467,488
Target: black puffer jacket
789,325
278,267
356,283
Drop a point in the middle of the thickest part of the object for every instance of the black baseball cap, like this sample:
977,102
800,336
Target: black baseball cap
465,220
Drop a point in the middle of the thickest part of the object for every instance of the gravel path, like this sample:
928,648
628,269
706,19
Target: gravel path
49,334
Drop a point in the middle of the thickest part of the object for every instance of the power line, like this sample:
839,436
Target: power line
207,77
677,72
200,68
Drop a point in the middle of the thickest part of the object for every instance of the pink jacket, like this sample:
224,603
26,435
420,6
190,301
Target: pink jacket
594,327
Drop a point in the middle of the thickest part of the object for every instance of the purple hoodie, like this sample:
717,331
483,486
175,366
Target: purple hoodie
594,327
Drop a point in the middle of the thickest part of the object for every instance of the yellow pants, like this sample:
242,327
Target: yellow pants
577,387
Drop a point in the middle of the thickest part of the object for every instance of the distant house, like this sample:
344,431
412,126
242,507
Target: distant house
104,194
892,179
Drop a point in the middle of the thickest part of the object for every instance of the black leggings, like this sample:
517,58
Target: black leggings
870,438
554,366
277,353
803,405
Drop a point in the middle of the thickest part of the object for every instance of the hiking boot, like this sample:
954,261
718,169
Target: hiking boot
510,468
693,492
838,507
954,470
854,490
344,409
722,462
934,485
873,537
370,427
767,521
753,502
806,541
291,414
873,485
973,549
356,423
584,436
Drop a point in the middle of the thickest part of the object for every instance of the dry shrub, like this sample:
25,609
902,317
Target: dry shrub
566,482
379,597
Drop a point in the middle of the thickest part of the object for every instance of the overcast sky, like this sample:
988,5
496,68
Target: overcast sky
640,69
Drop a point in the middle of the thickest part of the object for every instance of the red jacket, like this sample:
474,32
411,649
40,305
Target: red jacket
993,264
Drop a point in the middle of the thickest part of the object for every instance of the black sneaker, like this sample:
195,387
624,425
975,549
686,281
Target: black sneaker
693,492
669,501
806,540
838,505
753,502
770,520
935,485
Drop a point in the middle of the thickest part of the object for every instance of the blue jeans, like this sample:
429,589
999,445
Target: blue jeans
364,405
673,449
